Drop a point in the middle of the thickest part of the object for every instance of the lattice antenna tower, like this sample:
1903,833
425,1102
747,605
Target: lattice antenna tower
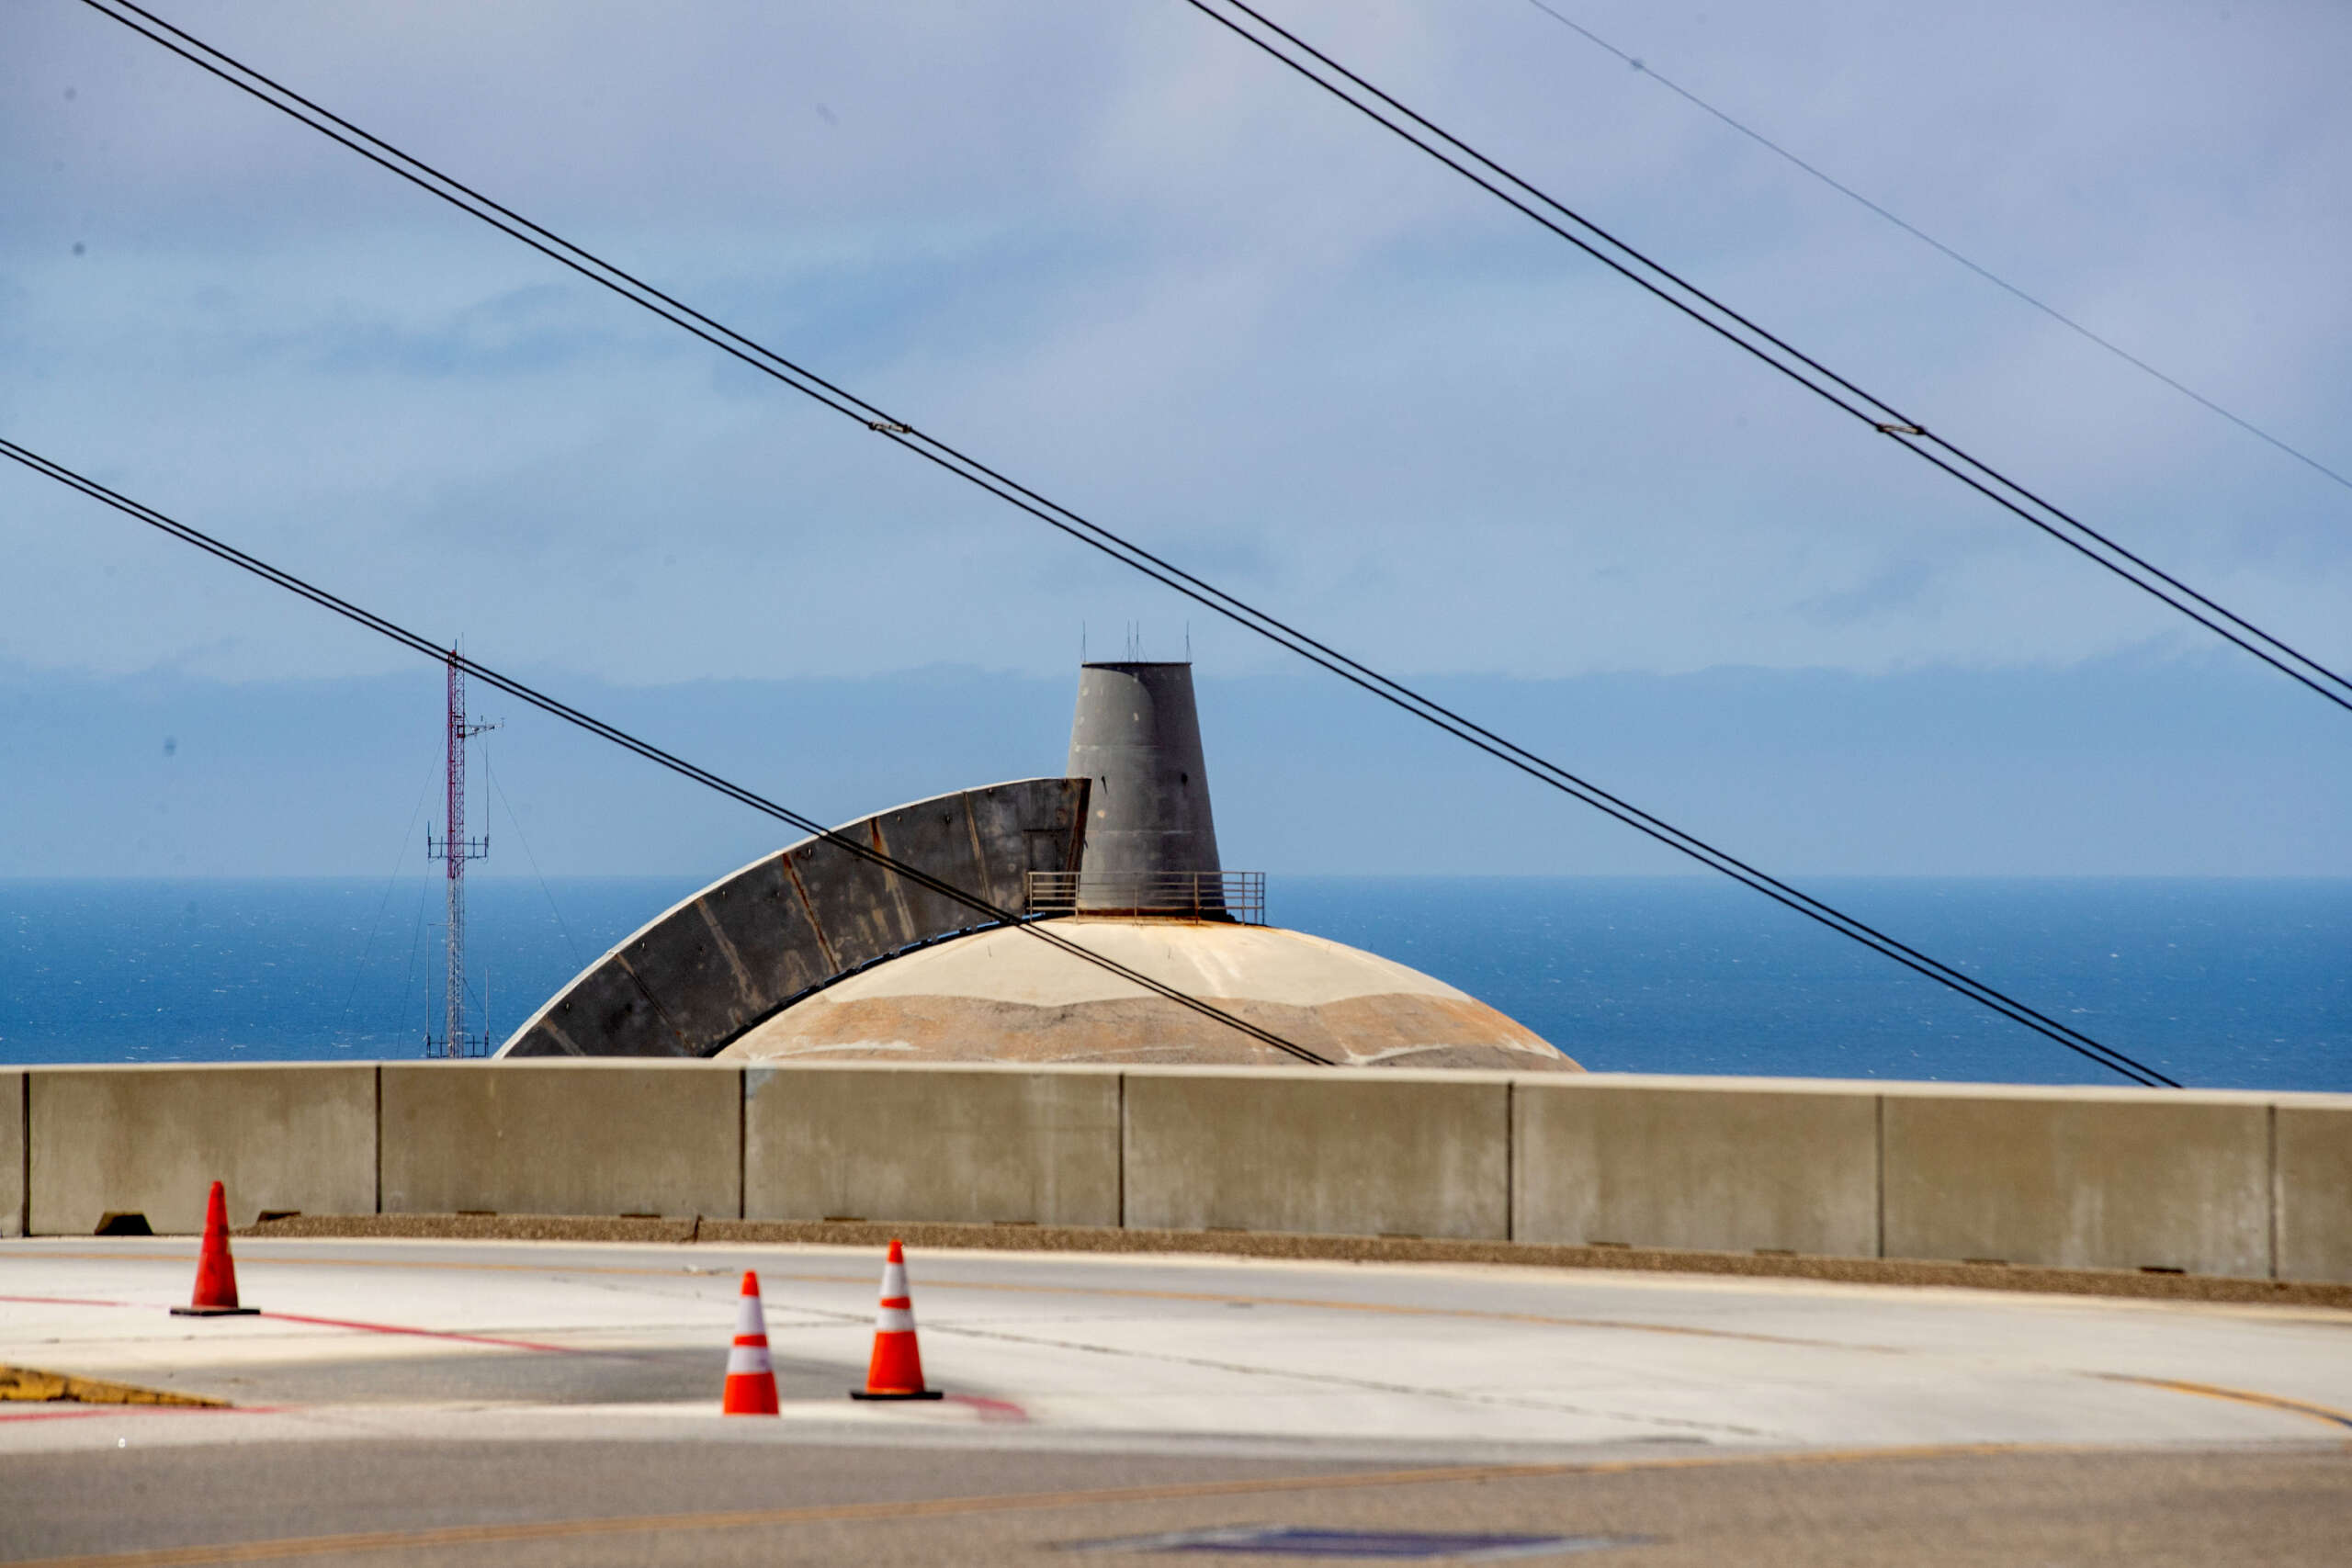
456,849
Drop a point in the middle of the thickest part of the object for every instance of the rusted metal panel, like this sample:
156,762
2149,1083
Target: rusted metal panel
713,966
1014,836
936,836
763,918
853,900
607,1005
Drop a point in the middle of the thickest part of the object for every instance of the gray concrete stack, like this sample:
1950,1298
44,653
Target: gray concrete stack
1150,840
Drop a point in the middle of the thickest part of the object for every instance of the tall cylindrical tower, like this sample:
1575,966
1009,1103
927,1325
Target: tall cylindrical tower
1148,831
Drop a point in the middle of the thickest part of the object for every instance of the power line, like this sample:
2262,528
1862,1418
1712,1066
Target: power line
2017,1012
646,750
1995,278
1097,537
1674,291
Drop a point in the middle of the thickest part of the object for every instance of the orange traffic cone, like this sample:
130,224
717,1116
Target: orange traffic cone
751,1378
895,1371
216,1273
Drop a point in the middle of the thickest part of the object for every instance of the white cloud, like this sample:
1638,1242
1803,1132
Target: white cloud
1139,267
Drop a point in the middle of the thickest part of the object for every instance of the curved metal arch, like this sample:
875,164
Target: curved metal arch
753,942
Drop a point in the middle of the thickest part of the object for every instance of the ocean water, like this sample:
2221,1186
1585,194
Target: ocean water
2219,983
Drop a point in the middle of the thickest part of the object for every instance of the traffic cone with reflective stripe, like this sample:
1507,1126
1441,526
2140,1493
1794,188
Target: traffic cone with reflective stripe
216,1272
751,1378
895,1371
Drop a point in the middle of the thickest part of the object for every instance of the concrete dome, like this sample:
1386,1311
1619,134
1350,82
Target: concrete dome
1003,995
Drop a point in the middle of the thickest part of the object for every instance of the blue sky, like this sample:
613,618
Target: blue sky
1139,268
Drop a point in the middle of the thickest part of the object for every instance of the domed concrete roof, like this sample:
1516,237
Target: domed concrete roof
1003,995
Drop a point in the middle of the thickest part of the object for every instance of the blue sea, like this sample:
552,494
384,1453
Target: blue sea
2218,983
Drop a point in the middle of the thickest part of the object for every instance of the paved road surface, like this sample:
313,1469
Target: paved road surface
432,1402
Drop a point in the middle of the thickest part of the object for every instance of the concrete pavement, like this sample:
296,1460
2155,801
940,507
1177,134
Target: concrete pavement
555,1365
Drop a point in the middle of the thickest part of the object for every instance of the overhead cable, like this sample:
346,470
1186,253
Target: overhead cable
1815,377
847,843
1096,536
1986,273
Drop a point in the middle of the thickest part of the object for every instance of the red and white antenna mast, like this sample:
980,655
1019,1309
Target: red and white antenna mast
457,849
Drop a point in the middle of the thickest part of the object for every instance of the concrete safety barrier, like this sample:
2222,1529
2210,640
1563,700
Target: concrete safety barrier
2098,1179
2243,1185
119,1142
1714,1164
1362,1153
983,1144
557,1137
12,1154
2311,1187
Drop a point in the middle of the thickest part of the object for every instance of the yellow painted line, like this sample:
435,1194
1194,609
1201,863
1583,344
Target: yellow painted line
32,1385
2239,1396
759,1518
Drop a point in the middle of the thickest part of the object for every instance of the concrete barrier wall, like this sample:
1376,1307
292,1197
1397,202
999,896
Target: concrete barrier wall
541,1137
12,1154
1716,1165
151,1141
978,1144
2311,1190
2215,1183
1362,1153
2090,1180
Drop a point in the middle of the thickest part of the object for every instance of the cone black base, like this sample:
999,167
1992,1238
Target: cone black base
215,1311
919,1394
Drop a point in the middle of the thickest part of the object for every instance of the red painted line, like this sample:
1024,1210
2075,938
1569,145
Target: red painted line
425,1333
991,1409
66,1302
79,1412
332,1323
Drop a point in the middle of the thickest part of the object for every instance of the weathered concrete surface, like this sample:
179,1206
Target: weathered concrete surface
2120,1179
1323,1149
1082,1351
12,1154
1005,996
2313,1191
2068,1179
980,1144
1719,1165
152,1140
1293,1245
563,1138
708,969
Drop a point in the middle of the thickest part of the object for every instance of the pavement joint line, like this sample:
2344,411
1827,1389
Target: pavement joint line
284,1547
2241,1397
1373,1384
1111,1292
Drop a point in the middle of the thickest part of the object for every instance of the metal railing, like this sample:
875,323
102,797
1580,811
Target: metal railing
1201,895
